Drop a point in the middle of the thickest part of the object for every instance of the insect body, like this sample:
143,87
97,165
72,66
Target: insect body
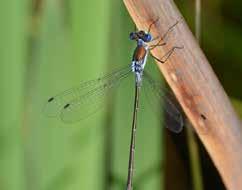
140,53
82,101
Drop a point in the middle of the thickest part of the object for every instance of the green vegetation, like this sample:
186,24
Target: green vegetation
49,46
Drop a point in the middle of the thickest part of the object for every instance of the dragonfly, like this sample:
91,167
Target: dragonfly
80,102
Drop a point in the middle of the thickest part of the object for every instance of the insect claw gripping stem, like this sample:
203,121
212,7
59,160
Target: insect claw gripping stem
155,21
169,29
154,46
163,37
167,55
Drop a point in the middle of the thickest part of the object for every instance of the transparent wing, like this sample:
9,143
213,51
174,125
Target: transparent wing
156,95
79,102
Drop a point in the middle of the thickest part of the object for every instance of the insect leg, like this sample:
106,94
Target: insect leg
162,38
152,24
167,55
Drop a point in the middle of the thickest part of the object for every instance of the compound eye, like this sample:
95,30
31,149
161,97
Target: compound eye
132,36
147,37
141,33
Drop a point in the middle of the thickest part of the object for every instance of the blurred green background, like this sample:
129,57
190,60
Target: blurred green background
48,46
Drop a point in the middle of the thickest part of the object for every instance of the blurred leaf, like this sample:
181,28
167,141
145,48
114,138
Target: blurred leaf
13,17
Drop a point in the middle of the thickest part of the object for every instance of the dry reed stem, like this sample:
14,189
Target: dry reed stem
196,87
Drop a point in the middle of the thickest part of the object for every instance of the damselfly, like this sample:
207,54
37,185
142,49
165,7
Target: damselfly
79,102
